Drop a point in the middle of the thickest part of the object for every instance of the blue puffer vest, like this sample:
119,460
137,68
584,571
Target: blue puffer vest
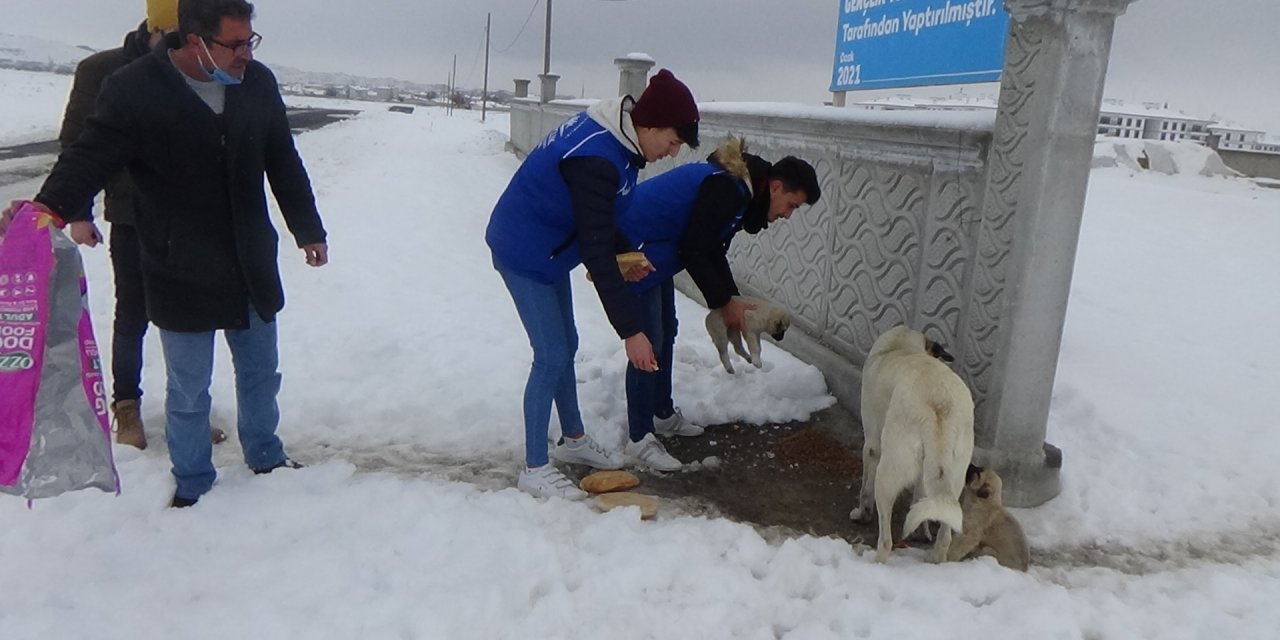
532,230
659,213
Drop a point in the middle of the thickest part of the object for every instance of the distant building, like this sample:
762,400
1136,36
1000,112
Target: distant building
1232,136
1149,120
1153,120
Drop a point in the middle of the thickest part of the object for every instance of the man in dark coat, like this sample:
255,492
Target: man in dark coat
198,123
129,321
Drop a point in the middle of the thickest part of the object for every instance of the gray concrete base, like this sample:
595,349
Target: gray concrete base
1030,478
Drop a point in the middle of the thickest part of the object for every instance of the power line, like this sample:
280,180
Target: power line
522,27
479,50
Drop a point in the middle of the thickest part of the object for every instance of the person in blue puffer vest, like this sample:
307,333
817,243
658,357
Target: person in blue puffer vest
685,219
558,212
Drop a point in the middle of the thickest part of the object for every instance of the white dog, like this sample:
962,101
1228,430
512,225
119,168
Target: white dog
918,419
765,318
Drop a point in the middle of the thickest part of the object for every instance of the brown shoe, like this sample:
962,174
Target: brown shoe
217,435
128,421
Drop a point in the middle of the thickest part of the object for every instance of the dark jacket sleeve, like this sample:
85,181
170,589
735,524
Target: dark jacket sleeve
84,94
288,177
702,251
593,186
100,151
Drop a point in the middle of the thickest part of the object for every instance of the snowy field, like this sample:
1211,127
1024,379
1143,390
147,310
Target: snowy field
404,362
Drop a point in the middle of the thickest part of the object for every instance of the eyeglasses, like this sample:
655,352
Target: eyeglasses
242,47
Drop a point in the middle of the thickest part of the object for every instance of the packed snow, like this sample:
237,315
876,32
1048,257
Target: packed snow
404,362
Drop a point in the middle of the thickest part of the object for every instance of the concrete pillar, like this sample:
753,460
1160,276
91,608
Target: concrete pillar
1037,174
838,98
548,89
522,88
633,74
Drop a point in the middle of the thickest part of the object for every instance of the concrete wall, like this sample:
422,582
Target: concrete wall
1252,163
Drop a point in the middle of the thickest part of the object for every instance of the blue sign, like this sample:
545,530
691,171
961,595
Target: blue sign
885,44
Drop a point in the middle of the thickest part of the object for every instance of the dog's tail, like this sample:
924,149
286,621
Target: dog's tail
947,452
944,509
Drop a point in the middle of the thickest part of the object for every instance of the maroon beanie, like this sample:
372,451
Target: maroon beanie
666,102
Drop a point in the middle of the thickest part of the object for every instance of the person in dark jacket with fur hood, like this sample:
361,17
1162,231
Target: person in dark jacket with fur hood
685,219
129,321
558,212
198,124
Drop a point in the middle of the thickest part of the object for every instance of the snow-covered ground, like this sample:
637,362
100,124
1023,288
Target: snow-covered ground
31,105
404,362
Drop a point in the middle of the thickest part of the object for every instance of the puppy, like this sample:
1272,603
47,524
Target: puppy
918,420
765,318
989,530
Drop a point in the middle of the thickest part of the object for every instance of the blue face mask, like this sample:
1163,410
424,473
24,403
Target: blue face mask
222,77
218,75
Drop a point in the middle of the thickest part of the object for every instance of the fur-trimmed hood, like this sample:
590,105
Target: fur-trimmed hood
731,156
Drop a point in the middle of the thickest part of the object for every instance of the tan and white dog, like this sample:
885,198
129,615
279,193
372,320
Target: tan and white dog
765,318
989,530
918,419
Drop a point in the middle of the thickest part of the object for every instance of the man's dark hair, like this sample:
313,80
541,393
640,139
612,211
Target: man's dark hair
204,17
796,174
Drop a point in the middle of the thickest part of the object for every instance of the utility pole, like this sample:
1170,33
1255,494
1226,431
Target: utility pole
453,86
546,43
484,92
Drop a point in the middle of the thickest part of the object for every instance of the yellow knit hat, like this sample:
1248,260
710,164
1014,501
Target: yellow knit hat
162,15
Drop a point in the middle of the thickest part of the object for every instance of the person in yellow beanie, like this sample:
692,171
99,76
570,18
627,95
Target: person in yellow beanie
130,313
162,15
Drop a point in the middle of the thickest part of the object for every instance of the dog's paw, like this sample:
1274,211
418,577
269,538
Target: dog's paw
757,363
882,554
858,514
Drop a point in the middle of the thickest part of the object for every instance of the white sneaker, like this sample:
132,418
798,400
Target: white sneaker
676,425
547,482
589,452
650,453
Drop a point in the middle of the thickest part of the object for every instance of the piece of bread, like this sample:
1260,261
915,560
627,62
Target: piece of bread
608,481
627,261
630,259
648,504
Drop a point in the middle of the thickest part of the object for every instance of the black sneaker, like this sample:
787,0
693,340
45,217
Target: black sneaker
180,502
285,464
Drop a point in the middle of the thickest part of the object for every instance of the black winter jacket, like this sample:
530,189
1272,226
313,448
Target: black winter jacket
208,245
702,251
90,74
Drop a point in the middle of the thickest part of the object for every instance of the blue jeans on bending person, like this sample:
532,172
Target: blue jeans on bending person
188,361
546,311
649,393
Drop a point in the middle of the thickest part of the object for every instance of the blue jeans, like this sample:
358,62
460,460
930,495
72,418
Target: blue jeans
649,393
188,361
546,311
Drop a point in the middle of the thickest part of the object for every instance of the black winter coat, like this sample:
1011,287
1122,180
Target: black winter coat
90,74
208,245
702,250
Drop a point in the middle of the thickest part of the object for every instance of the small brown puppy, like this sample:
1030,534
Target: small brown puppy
765,318
989,530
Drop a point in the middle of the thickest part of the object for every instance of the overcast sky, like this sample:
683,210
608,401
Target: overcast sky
1199,57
